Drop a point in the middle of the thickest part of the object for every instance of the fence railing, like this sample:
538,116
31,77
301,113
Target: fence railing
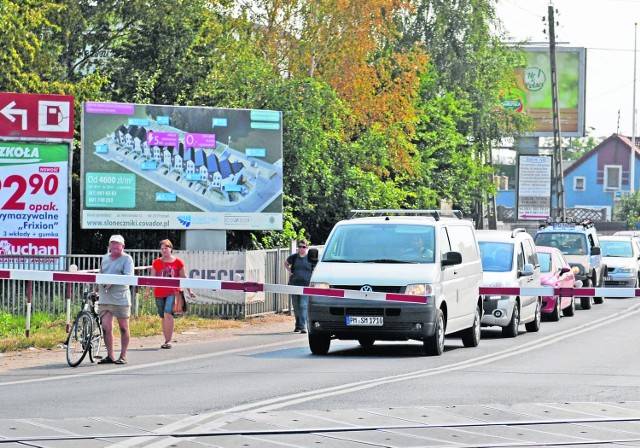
51,297
508,214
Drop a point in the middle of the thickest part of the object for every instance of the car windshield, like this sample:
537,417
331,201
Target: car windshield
380,243
545,261
616,248
568,243
496,257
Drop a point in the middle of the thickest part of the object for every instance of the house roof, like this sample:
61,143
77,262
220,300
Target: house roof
611,140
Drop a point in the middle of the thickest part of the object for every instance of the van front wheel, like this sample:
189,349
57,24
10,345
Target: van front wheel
434,345
319,344
471,336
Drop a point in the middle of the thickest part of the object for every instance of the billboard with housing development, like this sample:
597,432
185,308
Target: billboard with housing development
177,167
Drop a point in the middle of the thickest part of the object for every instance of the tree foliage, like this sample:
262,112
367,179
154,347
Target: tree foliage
386,103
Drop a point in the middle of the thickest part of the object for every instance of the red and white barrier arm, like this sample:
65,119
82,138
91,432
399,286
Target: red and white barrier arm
218,285
565,292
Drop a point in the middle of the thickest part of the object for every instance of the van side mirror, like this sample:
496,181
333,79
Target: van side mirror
595,250
312,256
451,258
564,270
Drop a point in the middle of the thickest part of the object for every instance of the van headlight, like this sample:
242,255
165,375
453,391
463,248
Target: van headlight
419,289
321,285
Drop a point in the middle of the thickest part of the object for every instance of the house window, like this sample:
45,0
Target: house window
612,177
579,183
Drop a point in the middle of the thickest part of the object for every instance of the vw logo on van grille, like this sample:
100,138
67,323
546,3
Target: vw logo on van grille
367,288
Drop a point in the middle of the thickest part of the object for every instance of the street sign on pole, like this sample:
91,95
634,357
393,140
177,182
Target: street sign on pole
36,115
534,187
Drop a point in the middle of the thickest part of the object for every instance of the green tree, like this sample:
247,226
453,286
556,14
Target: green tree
469,66
628,209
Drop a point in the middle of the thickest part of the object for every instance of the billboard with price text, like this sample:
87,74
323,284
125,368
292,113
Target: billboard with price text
177,167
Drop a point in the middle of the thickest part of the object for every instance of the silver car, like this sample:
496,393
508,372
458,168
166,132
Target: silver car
621,255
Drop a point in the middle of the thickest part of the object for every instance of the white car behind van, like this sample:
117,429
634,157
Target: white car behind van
509,259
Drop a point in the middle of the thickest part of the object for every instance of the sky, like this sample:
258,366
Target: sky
606,28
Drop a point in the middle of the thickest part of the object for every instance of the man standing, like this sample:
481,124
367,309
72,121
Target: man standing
300,268
115,300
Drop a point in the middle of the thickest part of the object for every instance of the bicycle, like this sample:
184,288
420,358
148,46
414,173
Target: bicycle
85,335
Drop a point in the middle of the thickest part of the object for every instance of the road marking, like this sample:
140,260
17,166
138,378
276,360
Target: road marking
152,364
164,439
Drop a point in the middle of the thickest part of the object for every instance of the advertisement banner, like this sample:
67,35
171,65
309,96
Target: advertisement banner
176,167
228,267
34,181
532,93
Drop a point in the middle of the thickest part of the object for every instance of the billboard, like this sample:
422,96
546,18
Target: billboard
34,180
533,95
178,167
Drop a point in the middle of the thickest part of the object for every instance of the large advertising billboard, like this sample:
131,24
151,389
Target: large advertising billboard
179,167
34,181
532,94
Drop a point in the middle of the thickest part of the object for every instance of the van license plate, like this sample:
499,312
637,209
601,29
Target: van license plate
365,320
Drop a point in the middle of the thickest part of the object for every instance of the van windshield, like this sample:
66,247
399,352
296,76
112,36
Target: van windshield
380,243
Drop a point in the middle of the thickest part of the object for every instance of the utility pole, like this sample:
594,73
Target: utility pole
557,142
632,156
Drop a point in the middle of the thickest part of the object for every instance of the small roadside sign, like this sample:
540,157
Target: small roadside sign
36,115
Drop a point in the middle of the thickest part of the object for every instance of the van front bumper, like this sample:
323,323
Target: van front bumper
401,321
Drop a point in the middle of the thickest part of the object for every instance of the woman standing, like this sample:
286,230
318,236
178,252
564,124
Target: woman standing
167,265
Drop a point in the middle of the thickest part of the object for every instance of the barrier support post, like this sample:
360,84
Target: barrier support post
29,296
68,306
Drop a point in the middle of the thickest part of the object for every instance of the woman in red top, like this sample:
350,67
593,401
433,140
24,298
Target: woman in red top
167,265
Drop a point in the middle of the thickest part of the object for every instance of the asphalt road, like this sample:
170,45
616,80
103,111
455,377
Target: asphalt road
593,357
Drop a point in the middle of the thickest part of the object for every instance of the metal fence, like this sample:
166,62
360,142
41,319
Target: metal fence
51,297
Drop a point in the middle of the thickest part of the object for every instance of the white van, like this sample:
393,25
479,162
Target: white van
419,252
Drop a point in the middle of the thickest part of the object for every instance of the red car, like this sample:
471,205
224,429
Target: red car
556,272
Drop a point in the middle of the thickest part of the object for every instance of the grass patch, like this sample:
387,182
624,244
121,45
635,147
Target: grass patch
49,331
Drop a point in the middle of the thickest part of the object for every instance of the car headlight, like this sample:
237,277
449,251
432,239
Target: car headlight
578,269
626,270
321,285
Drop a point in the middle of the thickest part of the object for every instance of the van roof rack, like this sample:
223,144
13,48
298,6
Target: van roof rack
557,222
436,214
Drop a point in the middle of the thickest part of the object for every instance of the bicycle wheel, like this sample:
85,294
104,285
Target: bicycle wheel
96,340
78,341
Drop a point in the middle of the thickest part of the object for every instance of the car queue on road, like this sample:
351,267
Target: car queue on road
427,253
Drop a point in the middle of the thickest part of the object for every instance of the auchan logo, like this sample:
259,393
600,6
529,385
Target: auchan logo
29,246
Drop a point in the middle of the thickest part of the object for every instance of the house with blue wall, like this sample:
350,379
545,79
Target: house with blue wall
597,180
